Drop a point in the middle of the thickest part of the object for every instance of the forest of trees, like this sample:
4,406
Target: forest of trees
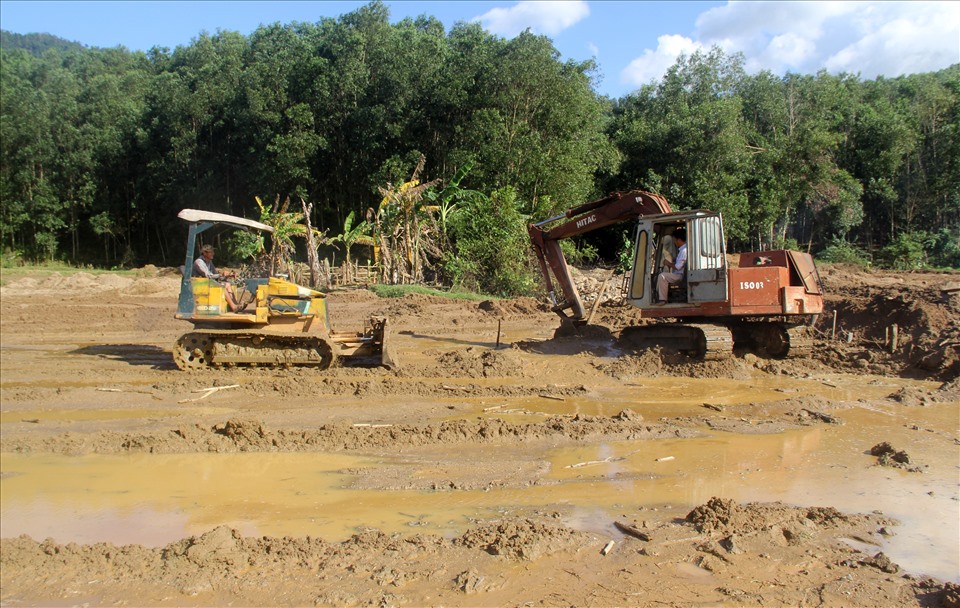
102,147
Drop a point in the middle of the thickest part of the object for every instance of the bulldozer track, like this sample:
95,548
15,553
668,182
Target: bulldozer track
202,349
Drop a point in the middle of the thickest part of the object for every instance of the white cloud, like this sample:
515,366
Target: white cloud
869,38
787,49
653,64
548,18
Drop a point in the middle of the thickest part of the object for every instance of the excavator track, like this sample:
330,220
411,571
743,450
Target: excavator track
714,341
717,341
801,341
706,341
203,349
775,339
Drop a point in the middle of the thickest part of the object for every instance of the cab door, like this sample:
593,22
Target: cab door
706,259
639,290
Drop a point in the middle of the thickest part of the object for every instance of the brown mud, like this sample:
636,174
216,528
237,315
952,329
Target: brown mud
546,470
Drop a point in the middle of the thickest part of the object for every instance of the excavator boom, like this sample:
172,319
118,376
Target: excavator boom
612,209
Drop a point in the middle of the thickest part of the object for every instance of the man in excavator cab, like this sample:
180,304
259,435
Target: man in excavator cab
678,269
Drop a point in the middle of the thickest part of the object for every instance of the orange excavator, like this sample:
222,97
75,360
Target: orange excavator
766,303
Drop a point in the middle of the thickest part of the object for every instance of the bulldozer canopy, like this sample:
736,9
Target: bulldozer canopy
195,216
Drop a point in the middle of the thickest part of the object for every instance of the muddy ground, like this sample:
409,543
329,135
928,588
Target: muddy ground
483,402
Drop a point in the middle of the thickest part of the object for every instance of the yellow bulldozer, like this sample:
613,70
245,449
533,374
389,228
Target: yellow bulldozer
281,325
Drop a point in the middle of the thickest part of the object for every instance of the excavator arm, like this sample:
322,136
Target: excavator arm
612,209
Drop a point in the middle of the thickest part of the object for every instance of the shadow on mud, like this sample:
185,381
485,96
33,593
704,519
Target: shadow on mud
413,334
133,354
596,340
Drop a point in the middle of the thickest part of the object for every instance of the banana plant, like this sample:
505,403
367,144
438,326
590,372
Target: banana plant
286,225
402,234
352,235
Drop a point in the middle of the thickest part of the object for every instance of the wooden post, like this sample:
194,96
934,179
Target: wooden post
894,338
498,334
603,289
312,258
833,332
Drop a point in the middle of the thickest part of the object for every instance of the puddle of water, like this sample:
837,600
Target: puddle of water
670,396
155,499
816,466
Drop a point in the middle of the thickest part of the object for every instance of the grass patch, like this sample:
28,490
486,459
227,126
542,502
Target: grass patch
398,291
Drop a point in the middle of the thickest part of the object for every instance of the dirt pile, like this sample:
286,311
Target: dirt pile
146,282
718,538
923,314
522,540
889,456
724,517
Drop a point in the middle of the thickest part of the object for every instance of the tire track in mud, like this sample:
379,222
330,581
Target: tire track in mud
251,435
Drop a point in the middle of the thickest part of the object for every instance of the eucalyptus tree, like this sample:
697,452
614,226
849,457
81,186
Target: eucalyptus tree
535,122
685,138
30,206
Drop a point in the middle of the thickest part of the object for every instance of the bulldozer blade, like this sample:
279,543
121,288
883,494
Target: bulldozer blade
381,337
386,354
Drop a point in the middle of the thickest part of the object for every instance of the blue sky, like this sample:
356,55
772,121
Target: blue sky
633,42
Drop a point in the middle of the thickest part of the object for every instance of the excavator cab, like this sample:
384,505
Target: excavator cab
705,277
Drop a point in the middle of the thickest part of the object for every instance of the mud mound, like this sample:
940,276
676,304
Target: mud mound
479,567
808,409
417,305
80,283
950,390
888,456
480,363
24,285
927,319
113,281
656,362
166,286
721,517
521,540
568,331
370,568
912,396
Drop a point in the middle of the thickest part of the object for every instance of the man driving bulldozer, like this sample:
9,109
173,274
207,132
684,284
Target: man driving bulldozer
203,268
